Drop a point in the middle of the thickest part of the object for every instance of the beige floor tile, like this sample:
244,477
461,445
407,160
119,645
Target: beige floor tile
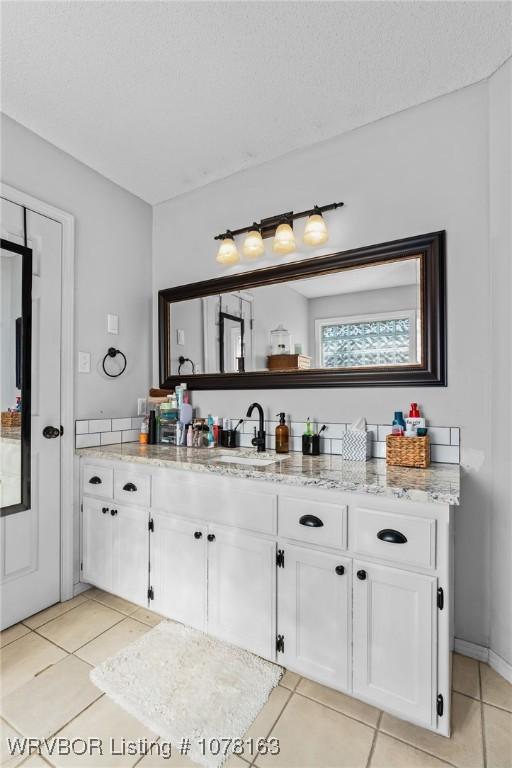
38,619
147,617
7,758
390,752
112,601
24,658
65,685
495,689
465,676
311,735
264,722
107,722
464,748
111,641
346,704
36,761
498,737
81,625
289,680
12,633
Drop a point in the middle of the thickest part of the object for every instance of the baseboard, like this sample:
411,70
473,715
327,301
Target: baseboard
473,650
500,666
80,587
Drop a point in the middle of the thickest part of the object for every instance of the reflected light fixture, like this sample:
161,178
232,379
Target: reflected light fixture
253,246
315,232
228,252
284,239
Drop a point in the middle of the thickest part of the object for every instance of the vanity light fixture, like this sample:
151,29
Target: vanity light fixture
253,246
315,232
280,228
228,252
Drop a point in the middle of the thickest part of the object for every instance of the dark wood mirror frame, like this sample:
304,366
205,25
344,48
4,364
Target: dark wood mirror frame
430,248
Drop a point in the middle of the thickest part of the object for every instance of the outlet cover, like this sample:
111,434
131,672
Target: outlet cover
113,324
84,362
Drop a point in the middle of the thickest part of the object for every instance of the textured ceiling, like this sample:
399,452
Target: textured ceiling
163,97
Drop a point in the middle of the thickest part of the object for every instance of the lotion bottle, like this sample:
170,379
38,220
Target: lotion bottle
282,435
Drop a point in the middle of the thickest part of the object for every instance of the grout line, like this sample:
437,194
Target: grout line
482,701
5,645
374,740
52,735
44,623
415,746
484,745
339,711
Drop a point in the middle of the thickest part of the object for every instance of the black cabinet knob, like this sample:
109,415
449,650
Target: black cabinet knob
211,537
340,570
113,512
361,575
104,510
198,535
95,480
129,487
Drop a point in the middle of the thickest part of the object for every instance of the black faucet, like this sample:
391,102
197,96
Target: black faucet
258,440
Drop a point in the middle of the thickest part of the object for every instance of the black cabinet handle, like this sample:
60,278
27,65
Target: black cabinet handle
311,521
129,487
391,536
361,575
95,480
113,512
197,535
104,510
340,570
211,537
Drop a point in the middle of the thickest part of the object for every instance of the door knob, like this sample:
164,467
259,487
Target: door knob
340,570
197,535
211,537
113,512
361,575
104,510
50,432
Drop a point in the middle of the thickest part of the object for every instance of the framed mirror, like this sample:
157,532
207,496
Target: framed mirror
372,316
15,356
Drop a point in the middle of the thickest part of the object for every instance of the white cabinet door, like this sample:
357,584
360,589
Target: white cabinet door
313,614
395,646
97,526
178,570
241,590
130,553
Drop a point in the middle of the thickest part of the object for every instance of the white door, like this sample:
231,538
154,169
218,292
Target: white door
97,524
130,553
313,614
241,590
178,570
30,548
395,623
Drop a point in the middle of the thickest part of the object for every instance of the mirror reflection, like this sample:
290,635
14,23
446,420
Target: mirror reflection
11,344
364,317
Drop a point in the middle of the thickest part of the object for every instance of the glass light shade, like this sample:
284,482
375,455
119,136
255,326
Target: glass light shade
284,240
316,232
253,246
228,252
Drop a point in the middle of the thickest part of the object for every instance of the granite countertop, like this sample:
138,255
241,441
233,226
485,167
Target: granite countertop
439,484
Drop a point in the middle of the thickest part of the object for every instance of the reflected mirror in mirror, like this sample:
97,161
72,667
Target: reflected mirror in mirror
13,452
363,317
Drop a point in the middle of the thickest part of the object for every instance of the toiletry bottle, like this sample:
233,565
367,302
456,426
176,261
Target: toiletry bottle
152,427
414,420
398,426
190,436
309,428
282,435
144,431
211,437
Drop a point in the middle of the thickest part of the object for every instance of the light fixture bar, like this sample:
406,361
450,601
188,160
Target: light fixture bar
269,225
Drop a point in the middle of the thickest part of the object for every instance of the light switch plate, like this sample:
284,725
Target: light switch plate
112,323
84,362
181,337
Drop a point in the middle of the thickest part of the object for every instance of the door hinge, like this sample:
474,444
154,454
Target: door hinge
81,566
440,705
151,526
151,594
280,558
440,598
81,507
280,643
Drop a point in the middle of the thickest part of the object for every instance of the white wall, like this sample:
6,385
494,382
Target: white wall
500,191
421,170
112,264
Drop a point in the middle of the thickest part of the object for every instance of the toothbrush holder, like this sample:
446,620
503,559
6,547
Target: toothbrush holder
311,445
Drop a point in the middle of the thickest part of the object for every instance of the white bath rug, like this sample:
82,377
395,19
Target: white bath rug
184,684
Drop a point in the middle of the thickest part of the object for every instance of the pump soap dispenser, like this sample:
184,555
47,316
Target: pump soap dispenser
282,435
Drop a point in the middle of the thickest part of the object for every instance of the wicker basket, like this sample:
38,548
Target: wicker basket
11,418
408,451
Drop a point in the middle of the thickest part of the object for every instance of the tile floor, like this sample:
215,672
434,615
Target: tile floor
45,664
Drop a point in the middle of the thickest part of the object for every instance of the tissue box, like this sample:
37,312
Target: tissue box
356,445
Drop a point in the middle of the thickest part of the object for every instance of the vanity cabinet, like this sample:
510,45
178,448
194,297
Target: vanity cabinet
314,613
395,630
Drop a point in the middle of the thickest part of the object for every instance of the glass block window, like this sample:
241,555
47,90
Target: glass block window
366,341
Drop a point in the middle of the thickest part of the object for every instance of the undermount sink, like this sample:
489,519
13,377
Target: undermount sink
252,461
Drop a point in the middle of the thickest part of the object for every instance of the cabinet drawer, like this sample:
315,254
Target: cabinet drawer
316,522
392,536
98,481
132,486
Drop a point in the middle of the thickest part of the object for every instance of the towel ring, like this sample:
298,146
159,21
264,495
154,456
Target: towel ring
112,352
